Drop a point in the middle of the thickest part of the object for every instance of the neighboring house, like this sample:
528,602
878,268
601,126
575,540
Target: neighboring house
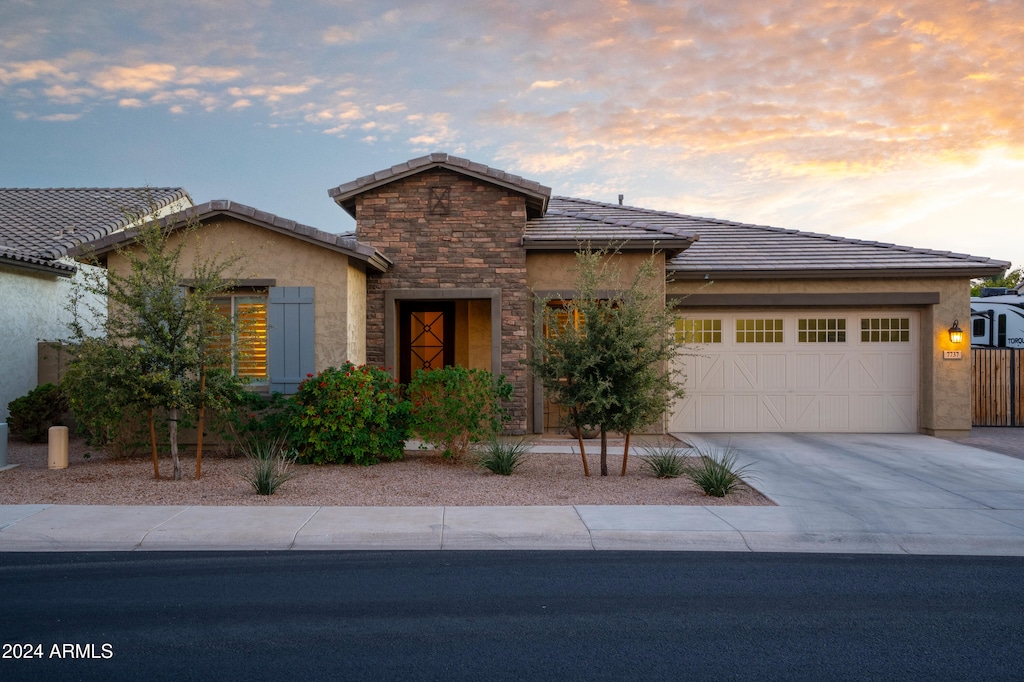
790,331
37,229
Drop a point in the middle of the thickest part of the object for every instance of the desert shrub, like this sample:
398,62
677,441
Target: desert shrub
503,457
101,384
32,415
453,407
270,462
253,415
715,470
349,414
664,461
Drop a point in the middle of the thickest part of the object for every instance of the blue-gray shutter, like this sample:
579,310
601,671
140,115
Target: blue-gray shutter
290,344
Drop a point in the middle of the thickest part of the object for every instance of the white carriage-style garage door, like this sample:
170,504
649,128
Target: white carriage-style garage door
803,371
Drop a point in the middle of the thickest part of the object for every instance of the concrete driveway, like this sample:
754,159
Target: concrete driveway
913,488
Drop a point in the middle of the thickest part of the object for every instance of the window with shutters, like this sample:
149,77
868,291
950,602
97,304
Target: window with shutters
248,311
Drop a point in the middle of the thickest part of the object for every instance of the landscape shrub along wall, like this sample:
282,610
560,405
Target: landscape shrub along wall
350,414
453,407
32,415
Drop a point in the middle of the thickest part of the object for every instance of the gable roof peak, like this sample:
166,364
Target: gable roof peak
537,195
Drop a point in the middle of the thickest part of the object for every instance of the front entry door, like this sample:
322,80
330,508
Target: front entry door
426,336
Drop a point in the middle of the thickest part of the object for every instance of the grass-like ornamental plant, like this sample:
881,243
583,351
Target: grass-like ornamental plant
350,414
503,456
667,461
270,464
715,470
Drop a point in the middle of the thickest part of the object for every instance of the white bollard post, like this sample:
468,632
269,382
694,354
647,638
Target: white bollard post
58,447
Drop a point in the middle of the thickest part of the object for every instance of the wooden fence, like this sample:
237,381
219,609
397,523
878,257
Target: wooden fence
997,386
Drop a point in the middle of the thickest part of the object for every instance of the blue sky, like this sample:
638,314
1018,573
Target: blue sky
898,122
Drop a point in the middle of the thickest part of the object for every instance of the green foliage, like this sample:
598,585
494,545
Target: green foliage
613,368
503,457
156,343
352,414
664,461
270,464
32,415
453,407
254,415
715,470
1008,278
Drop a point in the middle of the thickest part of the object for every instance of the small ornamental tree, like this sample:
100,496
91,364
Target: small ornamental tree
160,320
607,352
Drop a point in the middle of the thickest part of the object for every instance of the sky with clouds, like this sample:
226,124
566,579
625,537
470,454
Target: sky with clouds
892,121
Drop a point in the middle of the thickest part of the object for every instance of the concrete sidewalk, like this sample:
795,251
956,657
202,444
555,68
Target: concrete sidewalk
904,494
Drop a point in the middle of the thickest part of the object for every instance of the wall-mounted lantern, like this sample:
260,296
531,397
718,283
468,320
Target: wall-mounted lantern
956,334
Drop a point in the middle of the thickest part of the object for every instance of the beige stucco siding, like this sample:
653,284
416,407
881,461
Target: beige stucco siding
356,313
556,271
289,262
945,385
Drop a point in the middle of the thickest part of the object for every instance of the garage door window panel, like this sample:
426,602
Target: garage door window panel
759,330
821,330
698,331
885,330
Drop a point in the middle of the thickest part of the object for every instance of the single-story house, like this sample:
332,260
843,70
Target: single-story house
38,227
787,330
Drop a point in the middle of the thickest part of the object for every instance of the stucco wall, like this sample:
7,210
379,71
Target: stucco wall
556,272
945,385
289,262
33,310
356,312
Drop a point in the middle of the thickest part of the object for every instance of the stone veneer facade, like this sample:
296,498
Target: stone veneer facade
444,230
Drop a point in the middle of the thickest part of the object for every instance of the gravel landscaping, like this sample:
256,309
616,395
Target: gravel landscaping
421,479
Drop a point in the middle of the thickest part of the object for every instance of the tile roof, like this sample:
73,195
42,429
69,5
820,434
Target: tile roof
38,227
537,195
568,226
731,250
344,243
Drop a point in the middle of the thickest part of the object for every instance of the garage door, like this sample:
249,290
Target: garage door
799,372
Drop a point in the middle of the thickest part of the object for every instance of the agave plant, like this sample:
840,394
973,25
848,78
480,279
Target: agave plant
503,456
270,464
664,461
715,470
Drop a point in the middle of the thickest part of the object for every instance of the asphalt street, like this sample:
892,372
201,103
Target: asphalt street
472,615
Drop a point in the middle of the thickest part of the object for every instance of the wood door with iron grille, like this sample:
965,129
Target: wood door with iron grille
426,336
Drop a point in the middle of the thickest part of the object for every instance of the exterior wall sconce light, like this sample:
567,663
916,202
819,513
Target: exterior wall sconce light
956,334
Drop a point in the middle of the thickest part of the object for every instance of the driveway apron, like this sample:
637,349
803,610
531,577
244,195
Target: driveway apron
911,487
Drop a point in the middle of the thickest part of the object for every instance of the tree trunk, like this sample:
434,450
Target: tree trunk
604,452
172,425
583,452
625,453
202,412
152,442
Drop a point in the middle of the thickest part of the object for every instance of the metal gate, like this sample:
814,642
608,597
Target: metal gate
997,386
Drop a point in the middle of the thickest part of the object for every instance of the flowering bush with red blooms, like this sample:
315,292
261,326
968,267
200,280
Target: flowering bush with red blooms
350,414
454,407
